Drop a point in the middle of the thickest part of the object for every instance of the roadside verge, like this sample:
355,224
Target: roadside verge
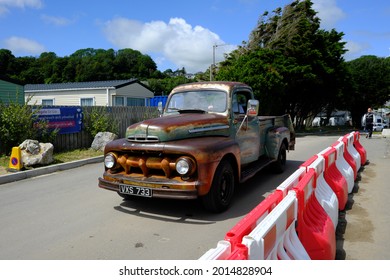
20,175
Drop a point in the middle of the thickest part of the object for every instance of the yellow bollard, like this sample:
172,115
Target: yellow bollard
15,161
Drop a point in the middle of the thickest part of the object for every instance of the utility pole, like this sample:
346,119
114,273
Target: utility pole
213,65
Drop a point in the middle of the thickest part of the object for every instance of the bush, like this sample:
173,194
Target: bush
18,123
98,120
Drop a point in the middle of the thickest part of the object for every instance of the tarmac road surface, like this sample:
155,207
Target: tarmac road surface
64,215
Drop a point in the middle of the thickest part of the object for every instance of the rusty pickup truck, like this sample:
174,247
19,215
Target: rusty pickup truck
208,139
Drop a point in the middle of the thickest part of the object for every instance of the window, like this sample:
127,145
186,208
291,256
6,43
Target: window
47,102
86,101
135,101
240,101
119,101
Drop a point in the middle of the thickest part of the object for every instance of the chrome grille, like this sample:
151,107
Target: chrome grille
143,138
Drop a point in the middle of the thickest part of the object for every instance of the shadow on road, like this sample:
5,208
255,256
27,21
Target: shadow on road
247,196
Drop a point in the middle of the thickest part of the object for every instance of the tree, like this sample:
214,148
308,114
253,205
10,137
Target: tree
292,65
370,84
130,63
6,61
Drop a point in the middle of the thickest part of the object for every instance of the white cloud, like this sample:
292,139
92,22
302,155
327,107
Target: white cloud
355,49
23,46
5,5
59,21
328,12
175,41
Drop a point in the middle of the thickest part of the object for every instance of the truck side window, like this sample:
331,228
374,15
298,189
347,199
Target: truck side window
239,103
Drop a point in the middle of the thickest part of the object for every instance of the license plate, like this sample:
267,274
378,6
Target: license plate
133,190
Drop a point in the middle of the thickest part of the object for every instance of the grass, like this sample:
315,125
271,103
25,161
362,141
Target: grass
75,155
58,157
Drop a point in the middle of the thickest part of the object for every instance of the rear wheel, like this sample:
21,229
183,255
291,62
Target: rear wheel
221,192
280,164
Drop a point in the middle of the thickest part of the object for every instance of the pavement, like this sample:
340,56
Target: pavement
368,221
24,174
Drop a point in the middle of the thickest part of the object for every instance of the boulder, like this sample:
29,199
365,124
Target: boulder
35,153
101,139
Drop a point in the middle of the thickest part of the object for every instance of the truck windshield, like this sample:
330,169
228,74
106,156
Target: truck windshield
203,100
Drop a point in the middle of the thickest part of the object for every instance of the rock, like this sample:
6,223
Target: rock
31,146
101,140
35,153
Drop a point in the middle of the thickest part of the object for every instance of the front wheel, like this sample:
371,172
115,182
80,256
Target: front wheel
221,192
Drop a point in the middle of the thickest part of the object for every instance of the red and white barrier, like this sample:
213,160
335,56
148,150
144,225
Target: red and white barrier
348,157
334,177
352,151
324,193
221,252
299,219
315,228
291,181
253,218
359,147
275,237
343,166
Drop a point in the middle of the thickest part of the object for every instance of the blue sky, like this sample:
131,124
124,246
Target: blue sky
175,33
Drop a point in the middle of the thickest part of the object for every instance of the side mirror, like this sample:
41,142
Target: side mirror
252,108
160,107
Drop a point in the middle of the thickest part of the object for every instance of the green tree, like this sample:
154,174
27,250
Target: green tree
131,63
370,79
291,63
6,62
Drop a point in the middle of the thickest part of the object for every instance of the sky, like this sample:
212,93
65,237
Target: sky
175,33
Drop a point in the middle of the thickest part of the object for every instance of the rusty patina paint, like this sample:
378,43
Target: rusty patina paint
207,151
175,127
147,156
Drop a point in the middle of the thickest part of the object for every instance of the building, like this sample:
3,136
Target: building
11,91
101,93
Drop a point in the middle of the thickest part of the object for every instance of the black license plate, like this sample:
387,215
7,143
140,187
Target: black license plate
133,190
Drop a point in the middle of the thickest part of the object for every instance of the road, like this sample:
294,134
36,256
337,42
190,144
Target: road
64,215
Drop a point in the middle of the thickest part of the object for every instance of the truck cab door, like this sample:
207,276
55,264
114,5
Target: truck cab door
246,127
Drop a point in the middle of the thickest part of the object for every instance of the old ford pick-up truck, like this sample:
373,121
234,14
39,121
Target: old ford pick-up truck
208,139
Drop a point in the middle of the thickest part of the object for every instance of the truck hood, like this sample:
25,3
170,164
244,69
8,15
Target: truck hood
176,127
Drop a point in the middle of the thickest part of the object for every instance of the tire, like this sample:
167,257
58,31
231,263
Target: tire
280,164
220,196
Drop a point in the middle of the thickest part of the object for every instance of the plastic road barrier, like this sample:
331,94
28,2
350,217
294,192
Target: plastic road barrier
240,252
221,252
231,247
315,228
359,147
343,166
288,184
275,237
334,177
354,153
249,222
300,219
348,157
323,192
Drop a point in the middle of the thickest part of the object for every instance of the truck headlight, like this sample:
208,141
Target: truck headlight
185,166
109,160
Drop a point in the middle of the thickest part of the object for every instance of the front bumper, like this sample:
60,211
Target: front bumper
160,190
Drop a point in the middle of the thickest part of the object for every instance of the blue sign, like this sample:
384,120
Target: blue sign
67,119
